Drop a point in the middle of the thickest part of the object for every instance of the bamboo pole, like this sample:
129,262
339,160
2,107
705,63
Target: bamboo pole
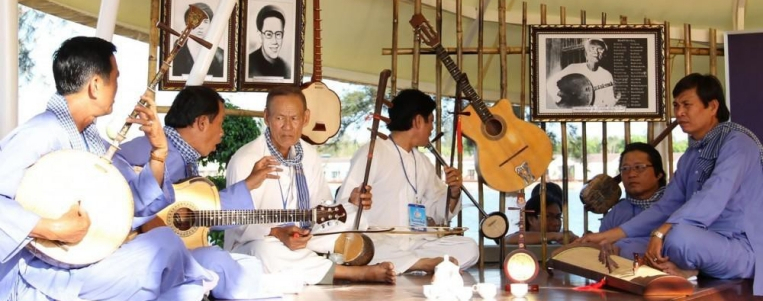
504,95
627,127
584,137
228,112
395,24
416,53
153,40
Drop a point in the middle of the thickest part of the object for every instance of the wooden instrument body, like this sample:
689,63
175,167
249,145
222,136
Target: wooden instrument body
514,155
601,193
495,225
325,113
582,260
62,178
511,153
197,207
357,248
191,195
324,105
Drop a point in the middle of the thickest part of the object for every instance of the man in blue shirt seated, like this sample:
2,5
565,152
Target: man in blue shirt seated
707,220
644,181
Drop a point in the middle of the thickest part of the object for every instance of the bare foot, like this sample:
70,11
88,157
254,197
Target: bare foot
382,272
672,269
428,264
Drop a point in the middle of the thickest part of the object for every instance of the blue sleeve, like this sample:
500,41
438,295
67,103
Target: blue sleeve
608,221
18,152
737,155
235,197
644,223
148,197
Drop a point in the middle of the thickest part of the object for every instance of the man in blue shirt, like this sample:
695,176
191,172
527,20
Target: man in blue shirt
702,222
151,266
644,181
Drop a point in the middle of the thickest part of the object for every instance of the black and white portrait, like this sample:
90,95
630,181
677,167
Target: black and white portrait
272,41
593,72
219,72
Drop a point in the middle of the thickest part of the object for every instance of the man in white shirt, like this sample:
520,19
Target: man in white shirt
407,186
569,92
300,185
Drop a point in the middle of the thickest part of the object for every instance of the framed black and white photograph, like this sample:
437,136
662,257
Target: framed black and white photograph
221,74
597,72
272,43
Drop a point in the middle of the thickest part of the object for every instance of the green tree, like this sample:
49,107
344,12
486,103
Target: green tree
238,131
574,142
680,146
28,18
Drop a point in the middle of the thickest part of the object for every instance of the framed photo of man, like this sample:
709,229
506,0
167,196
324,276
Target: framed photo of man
272,43
597,72
222,72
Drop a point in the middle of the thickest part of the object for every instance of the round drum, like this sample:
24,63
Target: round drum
61,179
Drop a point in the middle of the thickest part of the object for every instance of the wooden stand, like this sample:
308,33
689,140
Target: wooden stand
582,260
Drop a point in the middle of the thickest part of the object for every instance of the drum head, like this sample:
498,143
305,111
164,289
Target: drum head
61,179
495,225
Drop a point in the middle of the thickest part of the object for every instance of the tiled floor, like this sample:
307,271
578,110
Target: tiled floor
558,286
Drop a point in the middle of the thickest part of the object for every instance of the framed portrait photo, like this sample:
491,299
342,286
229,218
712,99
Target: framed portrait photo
597,72
222,71
272,43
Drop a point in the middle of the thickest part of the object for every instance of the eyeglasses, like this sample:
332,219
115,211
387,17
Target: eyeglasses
639,168
269,34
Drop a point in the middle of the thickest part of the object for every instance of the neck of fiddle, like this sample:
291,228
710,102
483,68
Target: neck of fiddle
316,41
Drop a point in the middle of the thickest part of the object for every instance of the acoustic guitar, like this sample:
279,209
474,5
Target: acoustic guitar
576,89
511,153
324,105
198,207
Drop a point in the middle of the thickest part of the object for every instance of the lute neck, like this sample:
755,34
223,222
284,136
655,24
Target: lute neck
463,82
211,218
317,75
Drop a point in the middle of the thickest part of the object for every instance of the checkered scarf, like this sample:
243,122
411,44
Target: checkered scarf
89,140
296,161
712,146
190,156
644,204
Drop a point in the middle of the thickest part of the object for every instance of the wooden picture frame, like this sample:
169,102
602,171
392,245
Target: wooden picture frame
279,62
627,82
222,72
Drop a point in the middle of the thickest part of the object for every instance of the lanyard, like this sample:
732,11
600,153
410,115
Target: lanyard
415,168
285,198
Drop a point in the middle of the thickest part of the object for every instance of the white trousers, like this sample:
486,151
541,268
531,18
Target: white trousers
405,250
277,258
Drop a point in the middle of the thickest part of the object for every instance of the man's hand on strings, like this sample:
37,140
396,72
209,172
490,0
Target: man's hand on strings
293,237
365,198
265,168
150,124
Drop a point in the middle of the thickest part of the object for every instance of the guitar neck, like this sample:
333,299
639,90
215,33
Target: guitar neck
211,218
463,82
317,75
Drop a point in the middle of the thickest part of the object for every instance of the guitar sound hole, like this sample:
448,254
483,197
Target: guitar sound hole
493,127
183,219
